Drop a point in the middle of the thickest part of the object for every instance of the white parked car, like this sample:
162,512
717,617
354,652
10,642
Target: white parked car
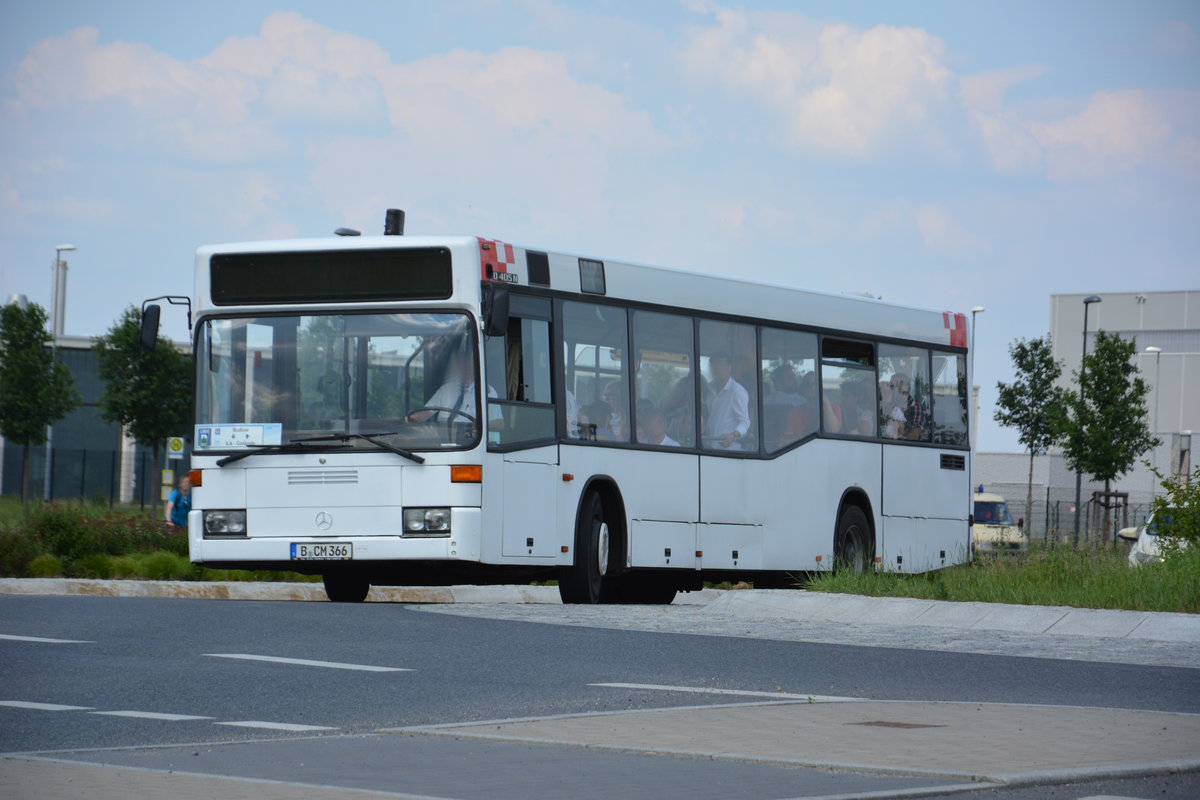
994,529
1146,543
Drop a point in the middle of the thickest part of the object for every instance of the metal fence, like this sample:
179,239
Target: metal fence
1052,519
92,475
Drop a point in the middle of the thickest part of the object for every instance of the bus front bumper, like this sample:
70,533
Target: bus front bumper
462,544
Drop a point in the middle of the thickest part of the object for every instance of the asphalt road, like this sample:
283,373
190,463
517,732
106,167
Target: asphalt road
147,657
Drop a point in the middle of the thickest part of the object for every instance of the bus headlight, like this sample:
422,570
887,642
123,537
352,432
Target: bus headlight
225,521
426,522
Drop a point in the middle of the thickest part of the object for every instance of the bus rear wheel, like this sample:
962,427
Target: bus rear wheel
850,549
583,581
344,587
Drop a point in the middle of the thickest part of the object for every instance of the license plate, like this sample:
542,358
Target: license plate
322,552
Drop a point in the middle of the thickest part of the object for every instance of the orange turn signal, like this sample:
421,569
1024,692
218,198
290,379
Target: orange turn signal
196,476
820,557
466,473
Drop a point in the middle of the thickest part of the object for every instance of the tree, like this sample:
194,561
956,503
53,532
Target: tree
1105,430
1177,511
1032,403
36,389
148,391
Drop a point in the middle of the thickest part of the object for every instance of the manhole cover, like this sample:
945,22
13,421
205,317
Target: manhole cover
883,723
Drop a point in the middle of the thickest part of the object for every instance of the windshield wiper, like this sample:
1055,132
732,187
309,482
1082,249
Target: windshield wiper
366,437
295,446
298,446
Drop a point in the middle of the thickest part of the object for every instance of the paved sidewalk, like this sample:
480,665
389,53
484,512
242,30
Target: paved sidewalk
1009,744
49,779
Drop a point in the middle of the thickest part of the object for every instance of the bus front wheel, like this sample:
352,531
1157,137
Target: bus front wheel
582,581
342,587
850,549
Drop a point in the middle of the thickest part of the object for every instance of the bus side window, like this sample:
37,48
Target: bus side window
949,398
665,381
520,393
789,379
904,407
848,387
729,391
596,356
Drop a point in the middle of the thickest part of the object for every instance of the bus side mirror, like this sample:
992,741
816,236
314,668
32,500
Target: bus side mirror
1021,522
149,334
495,312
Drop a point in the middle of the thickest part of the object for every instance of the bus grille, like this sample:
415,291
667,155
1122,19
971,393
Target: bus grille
310,477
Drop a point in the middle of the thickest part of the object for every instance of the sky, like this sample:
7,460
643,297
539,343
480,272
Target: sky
939,154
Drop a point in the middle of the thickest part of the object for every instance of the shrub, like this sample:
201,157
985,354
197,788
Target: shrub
47,565
124,567
165,566
94,565
63,530
16,551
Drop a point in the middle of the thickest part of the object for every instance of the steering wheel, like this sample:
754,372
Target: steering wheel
453,412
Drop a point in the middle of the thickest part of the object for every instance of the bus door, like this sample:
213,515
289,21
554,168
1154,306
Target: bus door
520,427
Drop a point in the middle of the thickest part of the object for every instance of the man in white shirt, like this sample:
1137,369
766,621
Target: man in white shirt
728,416
652,427
457,394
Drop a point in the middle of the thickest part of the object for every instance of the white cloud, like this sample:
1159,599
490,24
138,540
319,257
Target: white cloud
338,107
1116,130
839,89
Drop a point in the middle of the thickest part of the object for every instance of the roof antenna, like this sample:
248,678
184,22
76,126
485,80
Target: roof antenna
393,222
347,232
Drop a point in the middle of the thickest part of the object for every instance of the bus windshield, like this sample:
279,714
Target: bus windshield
409,379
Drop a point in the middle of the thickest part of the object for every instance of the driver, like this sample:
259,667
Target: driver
457,394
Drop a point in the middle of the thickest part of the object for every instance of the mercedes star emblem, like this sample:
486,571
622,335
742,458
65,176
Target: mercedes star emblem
324,520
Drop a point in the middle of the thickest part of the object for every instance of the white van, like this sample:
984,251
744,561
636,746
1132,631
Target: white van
994,529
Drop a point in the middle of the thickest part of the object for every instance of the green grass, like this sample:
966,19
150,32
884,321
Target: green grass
1084,577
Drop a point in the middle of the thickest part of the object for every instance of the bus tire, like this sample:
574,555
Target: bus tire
583,581
851,551
346,587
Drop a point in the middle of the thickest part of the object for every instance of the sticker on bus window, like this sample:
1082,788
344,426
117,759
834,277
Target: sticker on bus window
225,435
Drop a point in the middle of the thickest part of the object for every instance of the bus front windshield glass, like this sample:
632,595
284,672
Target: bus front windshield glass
406,379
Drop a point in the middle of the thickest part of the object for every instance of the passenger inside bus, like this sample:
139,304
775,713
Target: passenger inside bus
728,417
652,427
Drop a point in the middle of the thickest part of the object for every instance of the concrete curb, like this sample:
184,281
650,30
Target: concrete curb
260,590
895,611
797,605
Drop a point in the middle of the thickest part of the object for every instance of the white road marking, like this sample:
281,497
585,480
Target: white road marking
43,706
13,638
303,662
151,715
276,726
816,698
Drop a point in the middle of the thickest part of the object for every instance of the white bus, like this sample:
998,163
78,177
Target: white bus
642,429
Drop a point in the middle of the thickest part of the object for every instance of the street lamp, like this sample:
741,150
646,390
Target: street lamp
1087,301
1157,351
58,309
974,385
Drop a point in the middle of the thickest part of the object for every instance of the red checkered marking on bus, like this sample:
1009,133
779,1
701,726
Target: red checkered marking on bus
957,325
495,257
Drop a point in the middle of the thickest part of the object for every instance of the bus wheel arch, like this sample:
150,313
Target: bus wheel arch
854,535
600,544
